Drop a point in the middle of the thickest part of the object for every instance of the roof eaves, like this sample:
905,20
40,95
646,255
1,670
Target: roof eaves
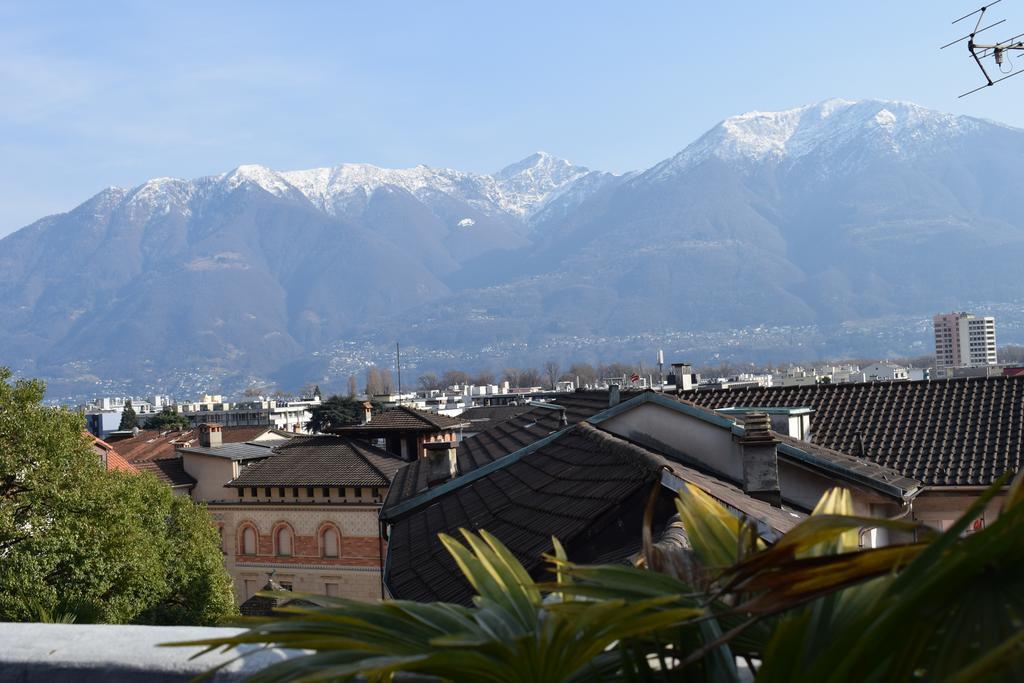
844,472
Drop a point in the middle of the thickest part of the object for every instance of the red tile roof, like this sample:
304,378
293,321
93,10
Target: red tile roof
111,458
150,444
171,471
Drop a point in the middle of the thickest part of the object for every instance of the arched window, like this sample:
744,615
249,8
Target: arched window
284,541
330,542
248,541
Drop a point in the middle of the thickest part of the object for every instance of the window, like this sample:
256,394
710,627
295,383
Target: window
327,492
331,590
254,491
280,491
284,541
330,542
248,541
266,491
357,492
310,491
287,585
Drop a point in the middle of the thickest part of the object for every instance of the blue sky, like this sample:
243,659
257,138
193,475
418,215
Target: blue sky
113,93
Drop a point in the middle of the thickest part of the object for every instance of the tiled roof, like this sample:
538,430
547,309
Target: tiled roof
958,432
170,470
487,416
405,418
116,462
323,460
237,451
150,444
575,486
507,436
111,458
563,489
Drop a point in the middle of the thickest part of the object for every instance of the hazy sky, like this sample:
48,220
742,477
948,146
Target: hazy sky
113,93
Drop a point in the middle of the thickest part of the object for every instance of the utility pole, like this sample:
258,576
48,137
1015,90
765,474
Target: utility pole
398,367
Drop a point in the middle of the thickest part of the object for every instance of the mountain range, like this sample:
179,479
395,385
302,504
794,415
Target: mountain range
821,215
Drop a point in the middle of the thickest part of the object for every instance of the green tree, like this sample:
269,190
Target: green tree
76,540
337,411
129,420
167,420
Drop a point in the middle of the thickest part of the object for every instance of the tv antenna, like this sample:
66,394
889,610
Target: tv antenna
998,51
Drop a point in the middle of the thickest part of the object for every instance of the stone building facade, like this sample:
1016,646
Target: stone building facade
310,544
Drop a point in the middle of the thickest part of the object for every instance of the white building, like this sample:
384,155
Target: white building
885,372
289,416
964,340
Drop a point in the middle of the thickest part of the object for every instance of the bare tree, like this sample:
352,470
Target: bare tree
352,386
531,377
483,378
584,373
551,369
429,382
374,386
453,377
387,384
253,391
512,376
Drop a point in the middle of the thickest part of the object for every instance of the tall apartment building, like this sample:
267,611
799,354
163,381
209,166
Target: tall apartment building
963,340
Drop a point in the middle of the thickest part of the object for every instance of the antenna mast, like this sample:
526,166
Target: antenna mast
998,51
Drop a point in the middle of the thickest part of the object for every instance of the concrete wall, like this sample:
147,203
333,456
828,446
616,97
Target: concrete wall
73,653
211,474
715,450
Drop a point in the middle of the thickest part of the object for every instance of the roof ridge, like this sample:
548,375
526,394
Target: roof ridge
592,433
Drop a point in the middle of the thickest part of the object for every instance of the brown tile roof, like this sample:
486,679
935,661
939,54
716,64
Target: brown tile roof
405,418
111,458
482,417
959,432
150,444
323,460
564,488
507,436
170,470
577,486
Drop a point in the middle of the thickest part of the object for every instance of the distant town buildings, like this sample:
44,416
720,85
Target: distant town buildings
286,415
964,340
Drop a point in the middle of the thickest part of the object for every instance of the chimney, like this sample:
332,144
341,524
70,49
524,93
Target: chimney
210,435
683,372
760,459
613,395
367,412
442,463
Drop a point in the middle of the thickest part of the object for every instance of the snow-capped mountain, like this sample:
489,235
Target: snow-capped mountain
825,213
518,190
785,137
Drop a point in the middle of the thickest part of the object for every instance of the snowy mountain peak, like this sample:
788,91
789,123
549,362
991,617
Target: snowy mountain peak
261,176
780,136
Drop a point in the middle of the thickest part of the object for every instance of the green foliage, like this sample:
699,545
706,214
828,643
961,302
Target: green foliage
511,633
129,420
337,411
80,543
811,607
167,420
